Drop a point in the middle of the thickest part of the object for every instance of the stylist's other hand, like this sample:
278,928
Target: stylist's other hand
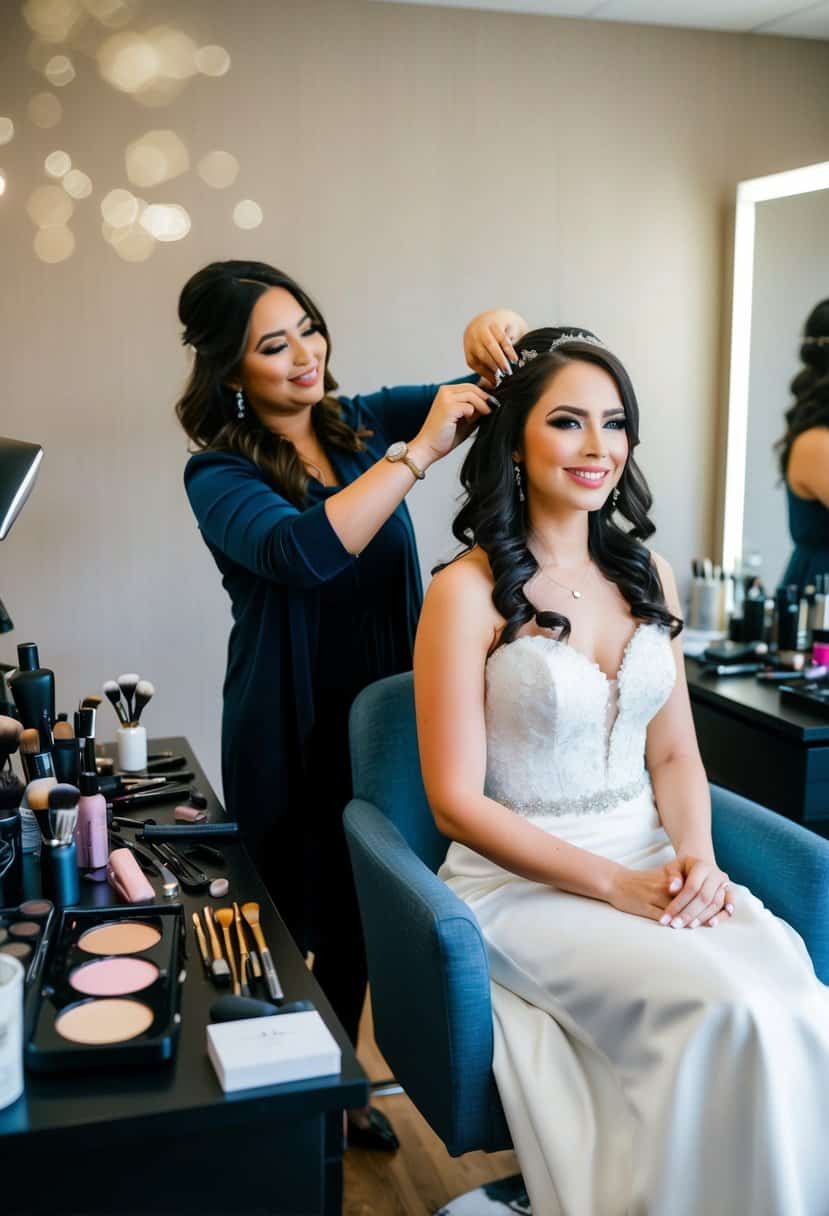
643,892
456,411
705,898
488,342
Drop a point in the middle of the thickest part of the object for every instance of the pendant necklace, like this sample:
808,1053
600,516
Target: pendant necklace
545,573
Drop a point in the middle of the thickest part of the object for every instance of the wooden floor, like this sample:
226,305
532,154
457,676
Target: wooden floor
421,1176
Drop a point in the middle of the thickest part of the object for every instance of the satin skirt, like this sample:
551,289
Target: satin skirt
648,1071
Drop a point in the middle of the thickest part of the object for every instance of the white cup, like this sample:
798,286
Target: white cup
11,1029
132,748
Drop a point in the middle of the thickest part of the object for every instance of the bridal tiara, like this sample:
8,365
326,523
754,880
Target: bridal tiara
527,355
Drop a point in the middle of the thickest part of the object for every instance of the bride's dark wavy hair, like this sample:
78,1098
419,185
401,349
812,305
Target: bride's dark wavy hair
494,518
810,387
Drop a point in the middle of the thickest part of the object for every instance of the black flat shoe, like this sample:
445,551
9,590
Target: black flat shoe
379,1135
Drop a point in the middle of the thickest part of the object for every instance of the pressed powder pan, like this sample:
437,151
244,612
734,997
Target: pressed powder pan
99,1022
119,937
113,976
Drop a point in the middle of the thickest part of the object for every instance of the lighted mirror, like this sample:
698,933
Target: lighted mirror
781,271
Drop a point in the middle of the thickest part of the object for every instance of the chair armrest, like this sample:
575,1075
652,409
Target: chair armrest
430,986
782,863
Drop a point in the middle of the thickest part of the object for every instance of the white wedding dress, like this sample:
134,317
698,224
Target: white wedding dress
644,1071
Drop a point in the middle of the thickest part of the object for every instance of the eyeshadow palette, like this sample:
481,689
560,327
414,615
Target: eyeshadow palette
111,990
25,932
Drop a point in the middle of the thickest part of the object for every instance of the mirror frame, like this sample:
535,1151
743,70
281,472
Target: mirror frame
749,194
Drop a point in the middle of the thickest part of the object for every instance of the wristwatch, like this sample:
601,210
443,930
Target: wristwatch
400,451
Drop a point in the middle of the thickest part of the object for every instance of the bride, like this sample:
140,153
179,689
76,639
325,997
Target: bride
661,1040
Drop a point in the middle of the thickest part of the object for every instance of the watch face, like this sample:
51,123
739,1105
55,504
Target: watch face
397,450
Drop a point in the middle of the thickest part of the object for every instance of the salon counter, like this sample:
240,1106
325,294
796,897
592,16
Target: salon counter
757,745
167,1139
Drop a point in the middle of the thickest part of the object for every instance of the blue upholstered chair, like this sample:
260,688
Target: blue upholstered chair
427,959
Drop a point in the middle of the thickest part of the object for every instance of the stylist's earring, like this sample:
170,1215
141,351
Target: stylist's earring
240,404
519,482
614,497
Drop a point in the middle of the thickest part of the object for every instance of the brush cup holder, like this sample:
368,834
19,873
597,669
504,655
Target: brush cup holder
132,748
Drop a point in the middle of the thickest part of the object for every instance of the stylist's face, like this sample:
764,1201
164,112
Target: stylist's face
283,368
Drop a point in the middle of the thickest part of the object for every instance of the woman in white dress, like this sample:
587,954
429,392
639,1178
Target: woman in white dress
661,1040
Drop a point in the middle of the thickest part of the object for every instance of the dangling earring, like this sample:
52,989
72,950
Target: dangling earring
519,481
614,497
240,404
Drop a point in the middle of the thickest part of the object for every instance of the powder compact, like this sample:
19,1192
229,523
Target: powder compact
111,990
25,932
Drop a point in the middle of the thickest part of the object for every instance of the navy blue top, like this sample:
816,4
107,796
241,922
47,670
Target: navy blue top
312,624
809,526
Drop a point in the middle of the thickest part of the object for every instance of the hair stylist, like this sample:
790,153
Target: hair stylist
299,496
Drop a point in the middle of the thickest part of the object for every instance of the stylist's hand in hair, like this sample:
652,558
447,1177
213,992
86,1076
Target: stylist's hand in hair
488,342
456,411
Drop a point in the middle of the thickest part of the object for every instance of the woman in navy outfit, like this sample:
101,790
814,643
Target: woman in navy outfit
804,454
299,495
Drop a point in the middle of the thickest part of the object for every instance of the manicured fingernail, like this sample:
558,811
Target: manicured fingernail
664,920
677,922
675,884
729,909
713,923
694,923
493,401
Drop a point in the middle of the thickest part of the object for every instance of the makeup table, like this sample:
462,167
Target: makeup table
756,744
167,1139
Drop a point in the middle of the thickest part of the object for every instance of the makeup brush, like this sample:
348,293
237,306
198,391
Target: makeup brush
10,732
244,955
63,730
45,730
35,762
128,684
144,692
218,968
250,911
92,701
202,941
11,792
225,918
36,796
113,695
63,811
65,753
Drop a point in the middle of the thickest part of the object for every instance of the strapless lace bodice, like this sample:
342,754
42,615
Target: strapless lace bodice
554,744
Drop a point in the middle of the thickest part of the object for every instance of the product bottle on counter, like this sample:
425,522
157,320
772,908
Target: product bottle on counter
91,837
32,686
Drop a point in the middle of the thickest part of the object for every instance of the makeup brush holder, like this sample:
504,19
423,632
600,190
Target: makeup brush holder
132,748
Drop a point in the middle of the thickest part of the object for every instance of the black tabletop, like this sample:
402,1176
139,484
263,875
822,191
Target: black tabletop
747,698
187,1089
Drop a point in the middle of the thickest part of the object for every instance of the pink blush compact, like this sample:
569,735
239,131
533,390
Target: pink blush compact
113,976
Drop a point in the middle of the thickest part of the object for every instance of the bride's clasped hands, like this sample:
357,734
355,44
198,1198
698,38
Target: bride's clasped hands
687,892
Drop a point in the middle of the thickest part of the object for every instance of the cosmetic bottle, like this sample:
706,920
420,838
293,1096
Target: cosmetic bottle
32,686
59,873
754,613
805,613
91,837
787,614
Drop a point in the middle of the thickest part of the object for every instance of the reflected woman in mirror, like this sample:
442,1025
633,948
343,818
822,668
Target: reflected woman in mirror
299,494
804,455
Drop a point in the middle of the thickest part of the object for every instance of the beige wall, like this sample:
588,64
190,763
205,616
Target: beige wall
414,166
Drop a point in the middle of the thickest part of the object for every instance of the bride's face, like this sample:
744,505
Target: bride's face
575,445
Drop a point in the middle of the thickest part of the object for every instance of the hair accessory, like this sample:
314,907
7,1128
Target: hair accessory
526,355
519,481
822,341
240,404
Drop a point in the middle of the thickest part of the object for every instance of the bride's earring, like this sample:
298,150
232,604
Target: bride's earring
240,404
614,497
519,482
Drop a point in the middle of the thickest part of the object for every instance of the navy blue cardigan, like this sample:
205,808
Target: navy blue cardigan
277,563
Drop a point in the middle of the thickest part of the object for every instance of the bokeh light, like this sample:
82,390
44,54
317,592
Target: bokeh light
2,182
128,62
156,157
59,71
49,207
57,164
212,60
132,243
77,184
54,244
166,221
218,169
114,14
247,214
120,208
45,110
6,130
176,52
53,20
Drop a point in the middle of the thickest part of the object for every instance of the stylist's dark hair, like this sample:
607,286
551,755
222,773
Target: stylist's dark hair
215,308
810,386
494,518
